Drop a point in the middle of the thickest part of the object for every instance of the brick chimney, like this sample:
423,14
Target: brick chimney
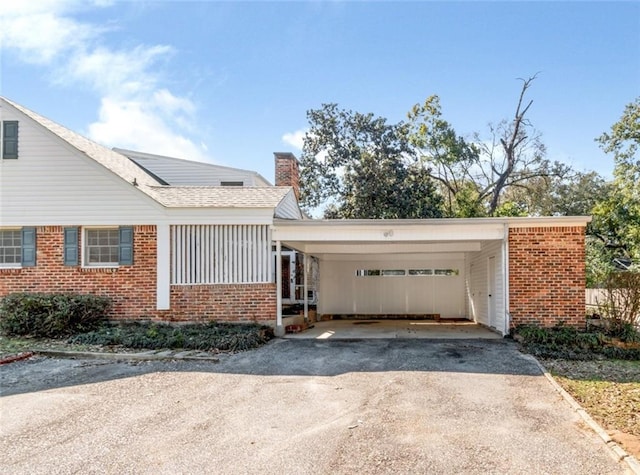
287,171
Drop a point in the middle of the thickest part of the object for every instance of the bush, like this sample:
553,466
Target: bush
620,306
204,337
51,315
566,342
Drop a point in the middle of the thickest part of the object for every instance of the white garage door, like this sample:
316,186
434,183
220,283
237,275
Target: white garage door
393,285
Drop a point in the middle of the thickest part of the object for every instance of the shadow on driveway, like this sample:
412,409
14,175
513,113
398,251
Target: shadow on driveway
284,357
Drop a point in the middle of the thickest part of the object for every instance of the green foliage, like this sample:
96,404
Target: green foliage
357,166
205,337
620,306
566,342
51,315
617,218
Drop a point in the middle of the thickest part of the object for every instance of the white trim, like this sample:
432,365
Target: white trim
505,281
163,267
279,328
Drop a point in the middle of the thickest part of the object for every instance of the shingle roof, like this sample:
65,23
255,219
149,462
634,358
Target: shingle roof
219,196
168,196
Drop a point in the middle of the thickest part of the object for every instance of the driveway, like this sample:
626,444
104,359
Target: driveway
297,406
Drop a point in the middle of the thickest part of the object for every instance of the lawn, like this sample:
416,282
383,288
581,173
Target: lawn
609,390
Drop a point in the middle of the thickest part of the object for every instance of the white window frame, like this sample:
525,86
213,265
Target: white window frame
85,247
13,265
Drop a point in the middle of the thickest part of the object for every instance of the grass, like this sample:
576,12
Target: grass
609,390
211,337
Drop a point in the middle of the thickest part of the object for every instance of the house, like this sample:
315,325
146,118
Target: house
175,240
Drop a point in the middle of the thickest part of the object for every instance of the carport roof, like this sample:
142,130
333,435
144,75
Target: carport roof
367,236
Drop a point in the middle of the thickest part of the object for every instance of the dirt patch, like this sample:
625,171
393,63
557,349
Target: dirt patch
609,390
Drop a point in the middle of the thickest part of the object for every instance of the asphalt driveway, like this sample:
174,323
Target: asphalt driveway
297,406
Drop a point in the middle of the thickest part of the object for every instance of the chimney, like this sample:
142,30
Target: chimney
287,171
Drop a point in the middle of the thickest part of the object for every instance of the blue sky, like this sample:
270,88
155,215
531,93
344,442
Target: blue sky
230,82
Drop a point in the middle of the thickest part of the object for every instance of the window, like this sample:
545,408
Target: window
447,272
367,272
18,247
393,272
231,183
420,272
10,139
11,247
107,247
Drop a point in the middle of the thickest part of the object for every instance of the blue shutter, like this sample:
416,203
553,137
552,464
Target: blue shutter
28,247
70,246
10,139
126,245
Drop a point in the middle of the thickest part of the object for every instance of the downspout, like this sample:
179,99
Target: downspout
279,330
505,276
305,287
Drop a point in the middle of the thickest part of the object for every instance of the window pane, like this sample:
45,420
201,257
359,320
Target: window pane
103,246
420,272
393,272
11,247
447,271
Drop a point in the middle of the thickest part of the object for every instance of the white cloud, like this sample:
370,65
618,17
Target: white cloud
295,139
136,111
143,126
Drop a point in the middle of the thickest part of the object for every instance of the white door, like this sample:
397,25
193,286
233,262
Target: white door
491,291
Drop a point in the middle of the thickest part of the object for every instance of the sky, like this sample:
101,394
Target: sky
231,82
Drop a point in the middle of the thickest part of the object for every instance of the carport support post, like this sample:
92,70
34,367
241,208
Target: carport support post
305,288
279,330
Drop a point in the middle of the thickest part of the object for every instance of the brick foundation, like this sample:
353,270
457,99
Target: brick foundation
547,275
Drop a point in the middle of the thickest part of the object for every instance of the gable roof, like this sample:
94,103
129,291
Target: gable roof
156,187
113,161
181,172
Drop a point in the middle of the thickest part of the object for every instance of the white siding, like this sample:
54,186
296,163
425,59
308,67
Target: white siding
288,208
52,183
342,292
478,284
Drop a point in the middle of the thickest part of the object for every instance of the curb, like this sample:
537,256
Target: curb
143,356
615,450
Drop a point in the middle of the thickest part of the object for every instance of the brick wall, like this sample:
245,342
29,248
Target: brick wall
133,288
547,275
223,302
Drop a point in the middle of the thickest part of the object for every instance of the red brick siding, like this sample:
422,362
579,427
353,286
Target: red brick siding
224,302
133,288
547,275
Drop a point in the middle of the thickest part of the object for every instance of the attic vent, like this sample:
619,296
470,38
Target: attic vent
232,183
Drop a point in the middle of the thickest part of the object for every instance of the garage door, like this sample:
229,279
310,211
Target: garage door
393,285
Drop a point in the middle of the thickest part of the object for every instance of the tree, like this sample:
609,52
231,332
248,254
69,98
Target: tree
617,218
357,165
474,177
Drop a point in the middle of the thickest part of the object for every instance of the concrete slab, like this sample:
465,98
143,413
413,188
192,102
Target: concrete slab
403,329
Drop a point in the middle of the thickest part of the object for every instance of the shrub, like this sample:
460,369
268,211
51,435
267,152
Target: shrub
620,306
51,315
205,337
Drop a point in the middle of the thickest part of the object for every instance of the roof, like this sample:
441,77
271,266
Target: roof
182,172
116,162
512,222
151,185
219,196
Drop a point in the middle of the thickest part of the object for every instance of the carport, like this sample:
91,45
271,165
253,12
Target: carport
438,269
